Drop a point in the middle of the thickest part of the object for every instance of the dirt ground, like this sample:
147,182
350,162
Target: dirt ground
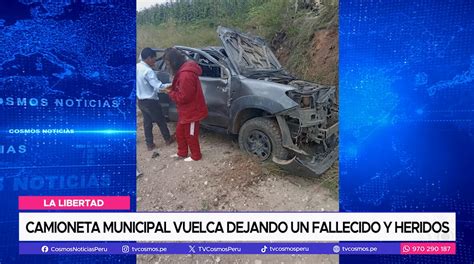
225,180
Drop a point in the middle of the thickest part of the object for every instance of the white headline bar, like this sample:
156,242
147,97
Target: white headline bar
237,227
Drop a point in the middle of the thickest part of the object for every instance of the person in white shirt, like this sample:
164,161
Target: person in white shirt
148,87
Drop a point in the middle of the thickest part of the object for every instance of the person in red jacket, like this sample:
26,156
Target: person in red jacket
186,92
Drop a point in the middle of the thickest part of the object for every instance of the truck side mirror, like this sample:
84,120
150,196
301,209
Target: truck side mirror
224,73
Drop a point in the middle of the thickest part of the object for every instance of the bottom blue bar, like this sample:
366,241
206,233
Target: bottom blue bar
112,248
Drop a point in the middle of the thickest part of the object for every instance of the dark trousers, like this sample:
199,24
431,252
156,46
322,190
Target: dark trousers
152,113
187,136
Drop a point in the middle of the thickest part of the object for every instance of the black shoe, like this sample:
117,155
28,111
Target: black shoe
171,140
151,147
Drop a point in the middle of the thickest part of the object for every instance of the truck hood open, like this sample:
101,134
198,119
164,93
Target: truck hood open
248,54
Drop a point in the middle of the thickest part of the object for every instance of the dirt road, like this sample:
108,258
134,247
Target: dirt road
225,180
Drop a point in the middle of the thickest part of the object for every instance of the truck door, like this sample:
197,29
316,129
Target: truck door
215,82
168,107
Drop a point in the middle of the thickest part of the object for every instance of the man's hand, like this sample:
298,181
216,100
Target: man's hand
167,89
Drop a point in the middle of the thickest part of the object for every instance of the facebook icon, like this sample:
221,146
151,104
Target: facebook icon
44,249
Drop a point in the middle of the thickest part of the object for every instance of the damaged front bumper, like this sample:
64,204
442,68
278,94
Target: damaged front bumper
303,163
309,166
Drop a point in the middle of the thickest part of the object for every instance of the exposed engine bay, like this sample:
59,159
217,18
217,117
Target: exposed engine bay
317,113
311,129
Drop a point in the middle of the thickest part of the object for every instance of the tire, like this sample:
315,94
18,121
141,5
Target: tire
261,137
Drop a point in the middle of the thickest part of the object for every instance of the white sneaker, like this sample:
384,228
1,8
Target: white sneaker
176,157
189,159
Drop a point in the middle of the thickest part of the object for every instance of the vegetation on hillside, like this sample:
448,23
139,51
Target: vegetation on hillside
210,12
287,25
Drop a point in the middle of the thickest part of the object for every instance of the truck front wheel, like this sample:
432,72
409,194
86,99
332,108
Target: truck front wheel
261,138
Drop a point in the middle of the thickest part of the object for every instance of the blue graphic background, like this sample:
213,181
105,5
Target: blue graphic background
406,112
79,50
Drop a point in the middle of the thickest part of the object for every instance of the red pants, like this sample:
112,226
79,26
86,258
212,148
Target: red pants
187,135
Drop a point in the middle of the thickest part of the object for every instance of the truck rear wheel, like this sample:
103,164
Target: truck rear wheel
261,137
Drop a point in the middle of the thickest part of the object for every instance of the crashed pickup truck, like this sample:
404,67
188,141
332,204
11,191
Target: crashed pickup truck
275,115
